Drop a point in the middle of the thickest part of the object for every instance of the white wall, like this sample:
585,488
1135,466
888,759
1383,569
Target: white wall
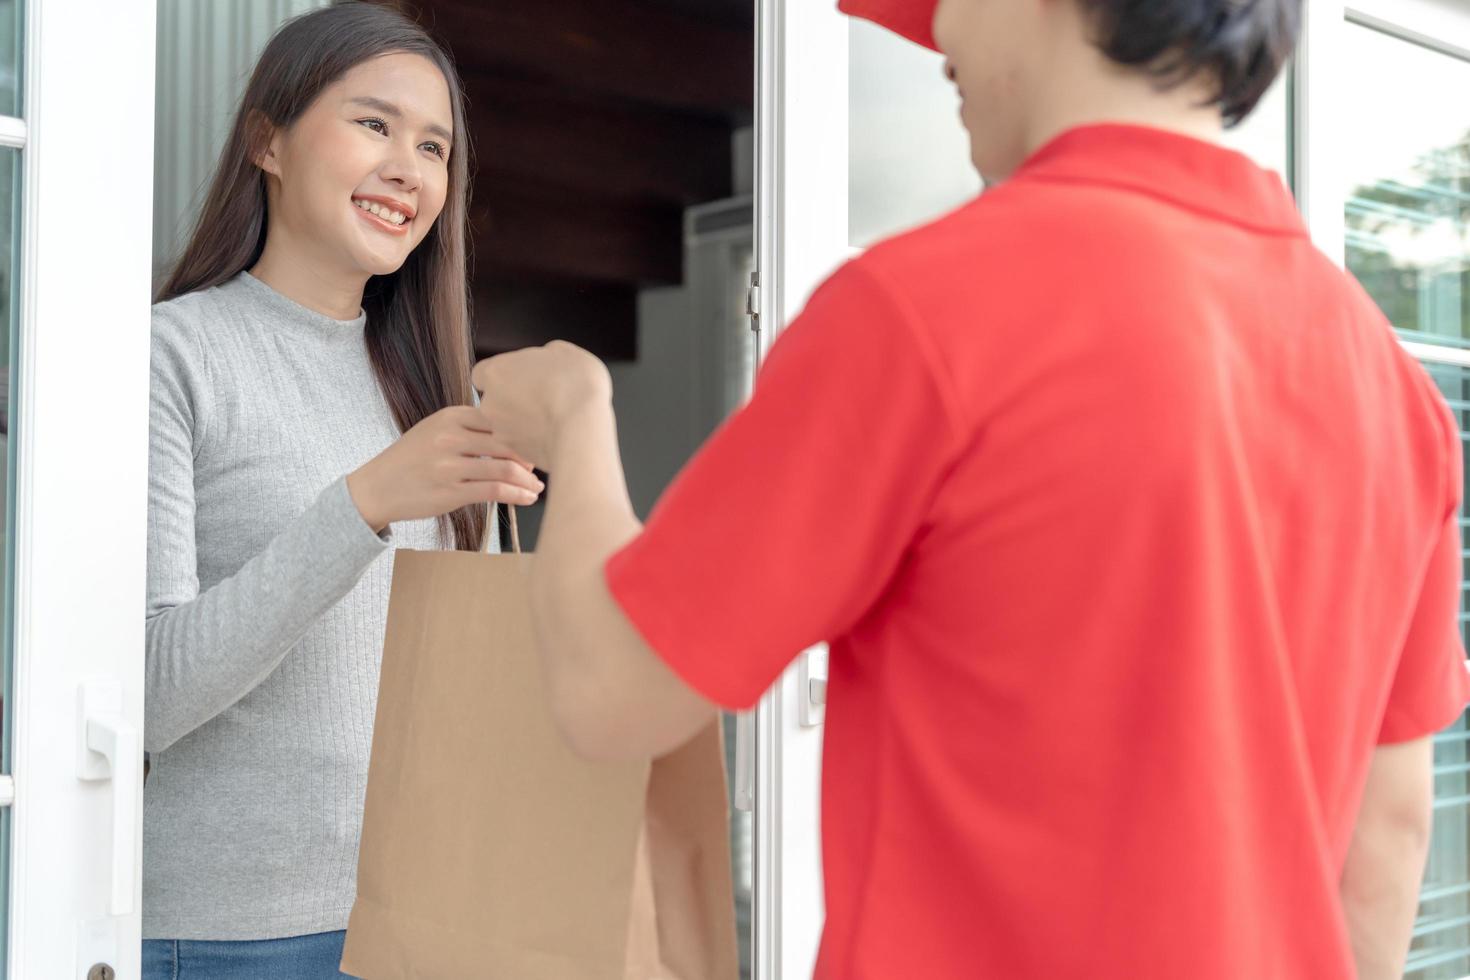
655,397
693,367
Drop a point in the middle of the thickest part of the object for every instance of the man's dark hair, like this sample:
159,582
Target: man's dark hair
1240,44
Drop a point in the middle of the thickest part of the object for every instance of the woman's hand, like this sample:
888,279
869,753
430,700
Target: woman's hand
449,460
527,394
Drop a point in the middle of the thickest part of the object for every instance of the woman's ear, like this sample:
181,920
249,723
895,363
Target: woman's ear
265,139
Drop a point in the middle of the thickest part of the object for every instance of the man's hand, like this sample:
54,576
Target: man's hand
612,695
447,461
528,394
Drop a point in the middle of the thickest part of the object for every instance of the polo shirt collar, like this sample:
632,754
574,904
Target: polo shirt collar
1192,173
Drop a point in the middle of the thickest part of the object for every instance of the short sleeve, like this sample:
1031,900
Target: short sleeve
786,527
1432,683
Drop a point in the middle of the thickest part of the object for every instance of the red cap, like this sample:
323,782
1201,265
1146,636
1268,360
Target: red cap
913,19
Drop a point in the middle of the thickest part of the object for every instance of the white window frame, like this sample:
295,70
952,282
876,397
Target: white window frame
81,426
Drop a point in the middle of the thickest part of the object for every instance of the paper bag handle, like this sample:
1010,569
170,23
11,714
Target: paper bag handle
492,526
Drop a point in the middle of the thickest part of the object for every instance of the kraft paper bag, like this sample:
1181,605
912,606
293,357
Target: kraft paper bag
490,849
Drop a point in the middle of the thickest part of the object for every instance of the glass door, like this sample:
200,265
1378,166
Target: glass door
1407,239
1387,167
76,121
801,235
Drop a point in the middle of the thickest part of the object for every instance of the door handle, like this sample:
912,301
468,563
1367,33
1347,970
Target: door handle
108,747
811,676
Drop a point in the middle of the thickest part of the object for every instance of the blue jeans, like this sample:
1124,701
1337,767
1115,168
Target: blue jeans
298,958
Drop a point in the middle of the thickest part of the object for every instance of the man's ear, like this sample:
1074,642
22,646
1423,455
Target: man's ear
265,140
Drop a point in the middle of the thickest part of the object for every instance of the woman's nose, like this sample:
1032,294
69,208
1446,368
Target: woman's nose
402,168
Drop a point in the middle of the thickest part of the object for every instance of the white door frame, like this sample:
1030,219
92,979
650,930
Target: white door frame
801,220
81,422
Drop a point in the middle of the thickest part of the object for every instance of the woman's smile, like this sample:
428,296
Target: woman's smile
387,215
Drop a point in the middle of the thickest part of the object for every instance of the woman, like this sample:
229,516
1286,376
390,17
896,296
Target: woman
310,409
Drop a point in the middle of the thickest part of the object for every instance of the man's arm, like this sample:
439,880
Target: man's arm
844,459
1385,863
613,697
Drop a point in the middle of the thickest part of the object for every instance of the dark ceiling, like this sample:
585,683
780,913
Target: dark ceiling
595,123
736,13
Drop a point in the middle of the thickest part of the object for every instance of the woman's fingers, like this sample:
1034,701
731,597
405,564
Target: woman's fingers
493,491
481,443
484,470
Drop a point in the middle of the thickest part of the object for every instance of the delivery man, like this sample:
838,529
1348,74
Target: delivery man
1132,529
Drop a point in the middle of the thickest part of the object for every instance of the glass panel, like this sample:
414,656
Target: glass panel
1408,163
1408,240
9,329
718,270
10,43
1441,946
908,154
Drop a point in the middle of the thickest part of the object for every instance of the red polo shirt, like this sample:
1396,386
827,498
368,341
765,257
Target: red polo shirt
1133,531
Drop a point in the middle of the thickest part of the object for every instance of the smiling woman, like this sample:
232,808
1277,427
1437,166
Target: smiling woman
317,125
310,409
389,158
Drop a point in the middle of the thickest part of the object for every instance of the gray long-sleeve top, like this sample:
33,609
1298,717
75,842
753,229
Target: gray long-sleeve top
267,598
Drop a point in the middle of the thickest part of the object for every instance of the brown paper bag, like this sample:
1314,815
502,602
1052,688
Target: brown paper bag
489,849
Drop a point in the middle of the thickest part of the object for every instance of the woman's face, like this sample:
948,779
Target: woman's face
359,179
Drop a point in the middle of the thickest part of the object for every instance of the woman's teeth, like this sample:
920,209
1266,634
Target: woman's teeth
387,214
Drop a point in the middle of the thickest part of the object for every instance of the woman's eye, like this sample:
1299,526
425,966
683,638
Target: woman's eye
376,125
438,149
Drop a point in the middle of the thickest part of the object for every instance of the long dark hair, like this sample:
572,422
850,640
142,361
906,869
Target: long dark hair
418,318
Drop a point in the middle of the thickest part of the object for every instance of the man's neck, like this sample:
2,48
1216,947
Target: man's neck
1097,91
